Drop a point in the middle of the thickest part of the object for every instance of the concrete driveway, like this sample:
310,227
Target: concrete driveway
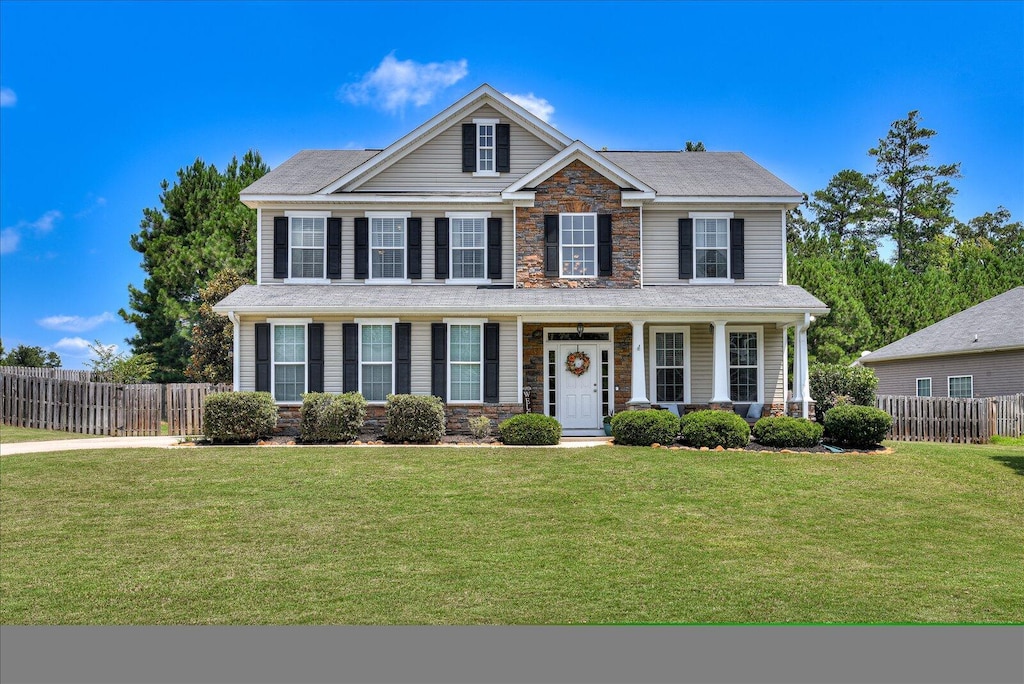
77,444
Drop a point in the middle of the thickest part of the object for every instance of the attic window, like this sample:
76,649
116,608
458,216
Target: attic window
485,145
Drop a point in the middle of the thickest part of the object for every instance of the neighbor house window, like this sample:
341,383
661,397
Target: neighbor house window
289,363
961,386
924,387
744,366
308,246
668,366
578,240
711,247
377,361
468,247
485,145
387,247
465,362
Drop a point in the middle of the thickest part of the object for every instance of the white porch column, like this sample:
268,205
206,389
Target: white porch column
798,366
720,391
805,378
639,379
236,352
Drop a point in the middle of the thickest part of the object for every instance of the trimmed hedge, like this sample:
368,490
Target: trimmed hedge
783,432
414,418
331,417
835,383
712,428
239,416
859,426
530,429
645,427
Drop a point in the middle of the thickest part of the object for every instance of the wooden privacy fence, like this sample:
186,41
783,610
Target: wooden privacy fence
102,408
55,373
942,419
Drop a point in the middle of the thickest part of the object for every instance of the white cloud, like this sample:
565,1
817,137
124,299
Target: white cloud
75,323
538,106
72,344
10,237
8,98
394,84
97,203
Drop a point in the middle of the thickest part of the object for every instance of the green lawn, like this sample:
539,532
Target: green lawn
929,534
10,435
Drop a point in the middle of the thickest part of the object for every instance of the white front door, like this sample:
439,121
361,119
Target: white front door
579,398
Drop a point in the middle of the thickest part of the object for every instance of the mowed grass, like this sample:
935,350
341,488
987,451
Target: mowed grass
11,435
929,534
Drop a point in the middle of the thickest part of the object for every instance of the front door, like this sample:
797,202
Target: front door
579,398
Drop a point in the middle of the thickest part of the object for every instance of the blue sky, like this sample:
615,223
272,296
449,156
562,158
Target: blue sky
99,102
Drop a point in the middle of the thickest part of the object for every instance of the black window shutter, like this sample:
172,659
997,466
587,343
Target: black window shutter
491,346
439,360
469,147
334,248
494,248
604,244
551,245
440,248
685,249
403,358
414,231
350,357
262,357
280,246
736,270
503,148
362,249
315,363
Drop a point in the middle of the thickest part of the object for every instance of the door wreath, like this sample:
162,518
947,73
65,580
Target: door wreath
577,363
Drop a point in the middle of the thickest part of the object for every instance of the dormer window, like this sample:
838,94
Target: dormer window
486,147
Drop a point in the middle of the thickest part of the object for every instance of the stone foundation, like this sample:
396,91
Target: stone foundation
458,418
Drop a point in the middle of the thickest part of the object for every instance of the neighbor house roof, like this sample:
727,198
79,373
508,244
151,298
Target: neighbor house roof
993,325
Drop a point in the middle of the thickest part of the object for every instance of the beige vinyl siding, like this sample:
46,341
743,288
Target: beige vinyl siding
426,212
995,374
247,355
332,356
763,254
421,358
774,372
508,360
702,363
436,166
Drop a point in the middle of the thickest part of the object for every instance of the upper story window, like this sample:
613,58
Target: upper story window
961,386
307,246
924,387
468,246
387,247
578,241
485,145
711,247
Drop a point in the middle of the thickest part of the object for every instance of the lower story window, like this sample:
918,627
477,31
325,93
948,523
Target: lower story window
924,387
289,362
669,367
465,362
961,386
743,366
377,362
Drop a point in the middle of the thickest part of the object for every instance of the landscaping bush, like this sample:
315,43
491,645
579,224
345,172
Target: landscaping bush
859,426
414,418
331,417
712,428
833,384
239,416
530,428
645,427
784,432
480,426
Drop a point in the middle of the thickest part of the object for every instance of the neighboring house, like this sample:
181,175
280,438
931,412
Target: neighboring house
474,256
975,353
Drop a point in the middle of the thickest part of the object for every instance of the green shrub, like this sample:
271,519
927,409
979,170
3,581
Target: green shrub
784,432
833,384
331,417
480,426
645,427
859,426
414,418
712,428
239,416
530,428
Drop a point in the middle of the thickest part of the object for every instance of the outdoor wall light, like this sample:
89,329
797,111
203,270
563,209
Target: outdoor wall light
579,330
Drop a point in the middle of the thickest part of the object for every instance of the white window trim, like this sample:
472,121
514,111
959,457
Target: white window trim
451,250
304,322
405,216
306,214
917,387
449,322
376,321
561,245
759,329
728,215
958,377
653,370
494,148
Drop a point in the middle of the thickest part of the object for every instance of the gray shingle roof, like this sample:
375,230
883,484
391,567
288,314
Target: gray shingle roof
463,300
716,174
309,171
996,323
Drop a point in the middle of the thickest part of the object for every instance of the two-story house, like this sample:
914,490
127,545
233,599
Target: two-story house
488,259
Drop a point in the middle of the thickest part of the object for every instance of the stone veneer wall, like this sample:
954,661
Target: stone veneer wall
578,188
